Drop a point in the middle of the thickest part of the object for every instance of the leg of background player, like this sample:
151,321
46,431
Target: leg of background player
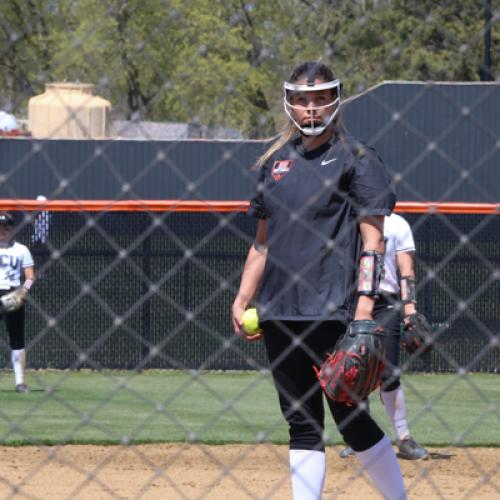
14,322
391,391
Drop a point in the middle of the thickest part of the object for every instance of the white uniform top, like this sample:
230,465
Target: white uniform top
12,259
398,239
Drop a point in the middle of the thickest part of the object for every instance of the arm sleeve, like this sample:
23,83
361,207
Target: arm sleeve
27,259
258,207
370,190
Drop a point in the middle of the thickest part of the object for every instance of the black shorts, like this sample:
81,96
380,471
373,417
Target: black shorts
387,312
14,321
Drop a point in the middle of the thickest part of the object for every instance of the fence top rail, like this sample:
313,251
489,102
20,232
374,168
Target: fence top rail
218,206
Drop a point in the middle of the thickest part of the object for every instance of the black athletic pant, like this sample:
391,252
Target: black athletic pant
14,321
387,312
293,347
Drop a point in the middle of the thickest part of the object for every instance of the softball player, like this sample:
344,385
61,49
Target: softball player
320,204
15,260
399,275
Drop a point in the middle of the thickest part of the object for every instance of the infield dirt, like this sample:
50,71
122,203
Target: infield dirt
180,471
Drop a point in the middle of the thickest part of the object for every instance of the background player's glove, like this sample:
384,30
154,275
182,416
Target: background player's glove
12,301
355,367
417,334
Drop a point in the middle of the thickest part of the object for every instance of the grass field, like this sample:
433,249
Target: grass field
214,407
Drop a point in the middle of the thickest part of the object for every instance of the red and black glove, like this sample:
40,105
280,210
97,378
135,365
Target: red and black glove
354,369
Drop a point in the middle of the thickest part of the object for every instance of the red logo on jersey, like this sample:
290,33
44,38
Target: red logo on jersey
280,169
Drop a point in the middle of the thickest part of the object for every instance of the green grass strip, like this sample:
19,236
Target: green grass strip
111,407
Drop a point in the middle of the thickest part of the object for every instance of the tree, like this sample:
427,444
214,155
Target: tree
26,27
222,62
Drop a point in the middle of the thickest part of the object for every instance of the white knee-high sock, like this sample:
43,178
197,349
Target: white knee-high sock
18,358
395,406
382,466
308,469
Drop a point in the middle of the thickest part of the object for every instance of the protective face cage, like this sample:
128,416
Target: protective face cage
313,128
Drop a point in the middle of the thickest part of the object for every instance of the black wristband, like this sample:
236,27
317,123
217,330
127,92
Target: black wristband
408,290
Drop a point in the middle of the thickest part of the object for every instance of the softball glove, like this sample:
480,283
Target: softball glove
354,369
12,301
417,334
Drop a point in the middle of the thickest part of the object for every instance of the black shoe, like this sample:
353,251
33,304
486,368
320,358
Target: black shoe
22,388
411,450
347,452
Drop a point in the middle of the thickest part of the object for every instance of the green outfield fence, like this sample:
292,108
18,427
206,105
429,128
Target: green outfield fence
144,288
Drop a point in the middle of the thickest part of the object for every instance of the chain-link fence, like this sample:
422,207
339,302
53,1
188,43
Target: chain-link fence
77,311
131,194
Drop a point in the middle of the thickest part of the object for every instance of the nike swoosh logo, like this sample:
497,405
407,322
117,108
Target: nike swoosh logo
326,162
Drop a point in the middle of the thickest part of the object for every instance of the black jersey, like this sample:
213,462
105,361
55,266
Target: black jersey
312,201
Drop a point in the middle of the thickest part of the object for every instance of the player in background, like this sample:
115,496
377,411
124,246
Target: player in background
41,224
16,271
320,204
396,301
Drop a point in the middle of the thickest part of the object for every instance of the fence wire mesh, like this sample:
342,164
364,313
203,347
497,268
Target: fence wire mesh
138,386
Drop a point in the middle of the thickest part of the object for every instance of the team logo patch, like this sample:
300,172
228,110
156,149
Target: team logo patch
280,169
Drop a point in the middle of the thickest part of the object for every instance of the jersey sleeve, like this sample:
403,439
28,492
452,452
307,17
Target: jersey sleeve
370,188
258,207
404,239
27,258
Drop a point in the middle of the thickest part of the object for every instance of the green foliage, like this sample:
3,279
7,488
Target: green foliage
222,62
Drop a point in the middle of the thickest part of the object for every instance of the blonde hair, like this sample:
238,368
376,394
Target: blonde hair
288,132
